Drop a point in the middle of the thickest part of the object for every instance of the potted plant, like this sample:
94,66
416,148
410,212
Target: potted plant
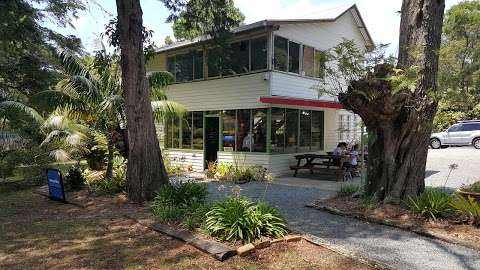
472,190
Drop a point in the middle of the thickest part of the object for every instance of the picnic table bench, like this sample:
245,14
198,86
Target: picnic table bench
327,162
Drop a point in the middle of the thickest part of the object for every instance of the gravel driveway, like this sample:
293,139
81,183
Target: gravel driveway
398,248
467,158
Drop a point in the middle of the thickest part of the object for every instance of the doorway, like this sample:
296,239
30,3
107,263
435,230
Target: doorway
212,131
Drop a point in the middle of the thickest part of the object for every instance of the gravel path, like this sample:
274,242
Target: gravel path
467,158
401,249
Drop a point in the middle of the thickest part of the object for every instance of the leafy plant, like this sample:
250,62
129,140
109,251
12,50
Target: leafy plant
475,187
470,207
74,178
211,169
238,218
171,168
224,171
347,190
99,183
432,203
182,200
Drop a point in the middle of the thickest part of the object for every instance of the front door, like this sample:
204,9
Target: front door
211,139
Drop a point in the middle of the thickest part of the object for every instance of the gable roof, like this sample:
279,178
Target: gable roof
276,22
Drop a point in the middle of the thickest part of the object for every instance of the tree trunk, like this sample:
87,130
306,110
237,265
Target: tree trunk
110,150
146,171
400,122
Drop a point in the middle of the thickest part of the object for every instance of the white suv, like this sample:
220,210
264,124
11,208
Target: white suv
461,133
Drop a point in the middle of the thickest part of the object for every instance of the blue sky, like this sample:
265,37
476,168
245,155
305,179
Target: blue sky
380,16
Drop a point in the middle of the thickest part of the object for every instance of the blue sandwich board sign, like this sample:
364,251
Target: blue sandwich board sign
55,185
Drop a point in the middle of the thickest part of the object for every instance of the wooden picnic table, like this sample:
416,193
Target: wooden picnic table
328,161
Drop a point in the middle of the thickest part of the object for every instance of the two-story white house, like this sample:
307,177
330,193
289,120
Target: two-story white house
263,109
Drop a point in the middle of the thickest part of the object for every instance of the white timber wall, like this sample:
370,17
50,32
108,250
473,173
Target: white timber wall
240,92
323,35
185,158
292,85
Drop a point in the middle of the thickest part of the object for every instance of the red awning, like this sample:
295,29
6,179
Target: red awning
301,102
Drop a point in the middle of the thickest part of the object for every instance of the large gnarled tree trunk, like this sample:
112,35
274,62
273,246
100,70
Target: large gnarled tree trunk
399,122
146,171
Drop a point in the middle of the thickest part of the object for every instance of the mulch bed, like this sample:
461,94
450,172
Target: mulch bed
451,228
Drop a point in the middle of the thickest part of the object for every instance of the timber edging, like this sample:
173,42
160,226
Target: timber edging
218,250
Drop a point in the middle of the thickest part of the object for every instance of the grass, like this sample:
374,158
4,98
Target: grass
36,233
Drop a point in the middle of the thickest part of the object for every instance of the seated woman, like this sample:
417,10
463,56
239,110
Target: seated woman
338,152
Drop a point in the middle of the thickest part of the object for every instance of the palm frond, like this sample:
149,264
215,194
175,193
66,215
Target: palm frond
165,109
52,99
15,108
158,82
81,87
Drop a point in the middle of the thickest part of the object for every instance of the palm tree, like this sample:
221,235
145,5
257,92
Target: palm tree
92,88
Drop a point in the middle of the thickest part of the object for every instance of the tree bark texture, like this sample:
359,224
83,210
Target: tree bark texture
399,122
146,171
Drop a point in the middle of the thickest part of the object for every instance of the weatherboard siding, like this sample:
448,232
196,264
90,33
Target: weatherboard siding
323,35
185,158
239,92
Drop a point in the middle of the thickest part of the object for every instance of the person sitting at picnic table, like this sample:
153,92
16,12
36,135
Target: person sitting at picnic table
354,158
338,152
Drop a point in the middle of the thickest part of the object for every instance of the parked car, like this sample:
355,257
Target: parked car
459,134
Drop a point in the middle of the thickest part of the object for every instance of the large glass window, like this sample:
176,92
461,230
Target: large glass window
198,65
187,131
291,130
280,54
213,62
259,53
240,57
278,130
171,65
308,60
184,67
197,130
317,130
319,64
259,130
244,135
229,130
172,130
305,138
293,57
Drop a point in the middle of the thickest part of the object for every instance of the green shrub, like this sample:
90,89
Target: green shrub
347,190
432,203
238,218
470,207
98,183
183,201
226,171
74,179
475,187
172,169
211,169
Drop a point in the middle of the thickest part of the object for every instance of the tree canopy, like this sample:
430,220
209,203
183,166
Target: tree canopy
459,70
200,17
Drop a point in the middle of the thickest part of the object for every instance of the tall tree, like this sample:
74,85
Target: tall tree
398,105
459,70
146,171
197,18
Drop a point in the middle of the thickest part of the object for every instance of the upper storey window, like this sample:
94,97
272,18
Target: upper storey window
280,60
239,58
297,58
186,67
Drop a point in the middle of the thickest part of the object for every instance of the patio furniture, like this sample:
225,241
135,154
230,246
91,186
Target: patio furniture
326,163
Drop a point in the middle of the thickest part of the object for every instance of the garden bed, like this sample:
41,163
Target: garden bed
450,228
39,233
